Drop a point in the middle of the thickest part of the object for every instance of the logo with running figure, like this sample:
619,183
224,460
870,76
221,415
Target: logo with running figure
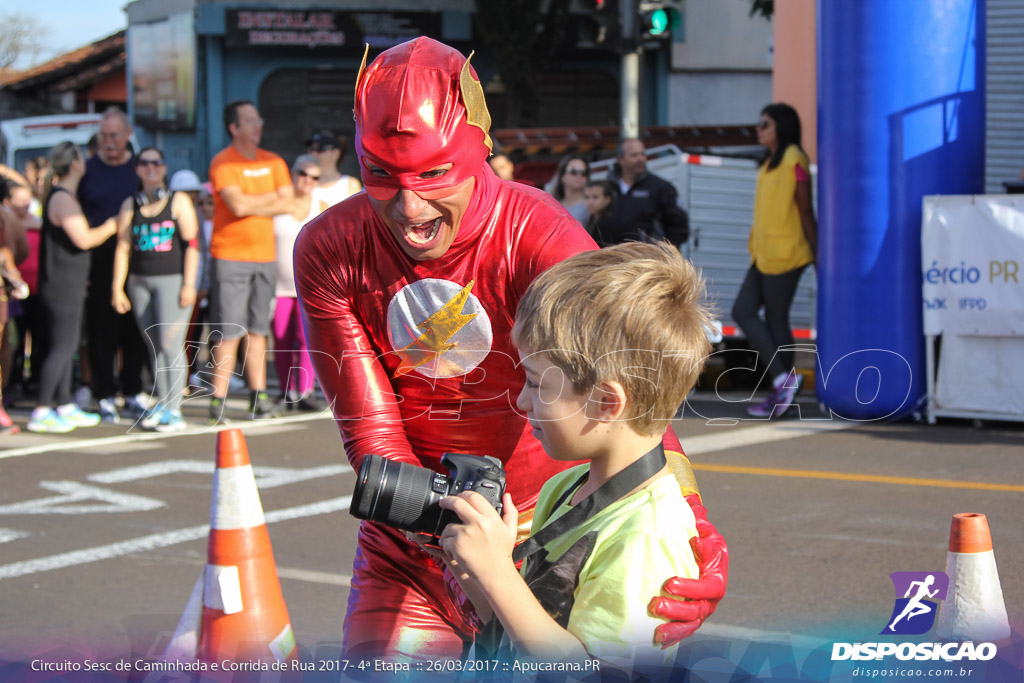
914,612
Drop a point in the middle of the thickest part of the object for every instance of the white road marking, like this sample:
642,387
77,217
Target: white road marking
74,492
275,425
314,577
12,535
753,436
132,447
154,541
267,477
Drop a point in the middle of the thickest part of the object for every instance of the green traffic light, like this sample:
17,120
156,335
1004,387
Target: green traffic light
659,21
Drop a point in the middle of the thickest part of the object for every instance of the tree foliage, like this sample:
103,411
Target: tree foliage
522,35
22,39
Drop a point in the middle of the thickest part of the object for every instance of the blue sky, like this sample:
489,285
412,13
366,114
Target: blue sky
70,23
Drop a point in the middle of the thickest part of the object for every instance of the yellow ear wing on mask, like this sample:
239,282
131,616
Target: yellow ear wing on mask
473,98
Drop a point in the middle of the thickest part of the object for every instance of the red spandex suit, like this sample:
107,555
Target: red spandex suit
408,293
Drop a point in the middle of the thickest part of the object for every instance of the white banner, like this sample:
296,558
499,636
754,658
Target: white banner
972,251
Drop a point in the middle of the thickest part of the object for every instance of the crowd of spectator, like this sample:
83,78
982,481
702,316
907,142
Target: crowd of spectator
127,292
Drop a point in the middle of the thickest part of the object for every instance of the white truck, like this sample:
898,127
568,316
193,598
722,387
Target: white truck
28,138
718,193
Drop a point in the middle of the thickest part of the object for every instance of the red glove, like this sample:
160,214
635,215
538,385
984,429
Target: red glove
703,594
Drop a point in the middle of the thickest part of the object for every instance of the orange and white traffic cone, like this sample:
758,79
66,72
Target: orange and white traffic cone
974,608
236,611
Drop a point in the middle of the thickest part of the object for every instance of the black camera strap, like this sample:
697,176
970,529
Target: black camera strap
612,490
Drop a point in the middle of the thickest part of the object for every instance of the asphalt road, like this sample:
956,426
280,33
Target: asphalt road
103,531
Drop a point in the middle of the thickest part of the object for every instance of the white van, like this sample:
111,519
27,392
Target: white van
28,138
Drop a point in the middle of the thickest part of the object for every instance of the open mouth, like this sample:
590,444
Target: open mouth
422,234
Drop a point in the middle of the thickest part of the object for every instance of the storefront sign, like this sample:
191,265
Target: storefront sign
326,29
972,267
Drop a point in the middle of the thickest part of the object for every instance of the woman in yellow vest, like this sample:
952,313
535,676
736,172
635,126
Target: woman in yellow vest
783,241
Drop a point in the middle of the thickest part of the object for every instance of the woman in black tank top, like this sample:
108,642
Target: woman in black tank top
63,277
156,261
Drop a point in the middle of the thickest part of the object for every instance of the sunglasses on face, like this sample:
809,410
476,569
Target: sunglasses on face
316,149
151,162
306,174
575,171
764,124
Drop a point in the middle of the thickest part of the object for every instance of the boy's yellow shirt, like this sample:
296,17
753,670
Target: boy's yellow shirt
598,578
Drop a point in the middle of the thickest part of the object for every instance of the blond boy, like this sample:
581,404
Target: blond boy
611,342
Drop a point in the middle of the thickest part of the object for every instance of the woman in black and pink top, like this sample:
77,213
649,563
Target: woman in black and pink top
157,256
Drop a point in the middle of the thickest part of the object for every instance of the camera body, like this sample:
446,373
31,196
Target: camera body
407,497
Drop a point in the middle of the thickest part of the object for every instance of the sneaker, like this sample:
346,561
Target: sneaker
47,421
74,415
108,411
311,404
137,406
217,406
780,398
788,391
83,396
170,421
5,420
261,407
151,417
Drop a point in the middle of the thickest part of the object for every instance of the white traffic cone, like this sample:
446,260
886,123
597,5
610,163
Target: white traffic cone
973,609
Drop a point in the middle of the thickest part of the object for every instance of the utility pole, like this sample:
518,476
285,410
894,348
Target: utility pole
629,120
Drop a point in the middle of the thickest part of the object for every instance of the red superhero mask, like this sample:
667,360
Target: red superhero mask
425,109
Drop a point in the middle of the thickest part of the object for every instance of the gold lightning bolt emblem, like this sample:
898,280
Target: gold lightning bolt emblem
439,328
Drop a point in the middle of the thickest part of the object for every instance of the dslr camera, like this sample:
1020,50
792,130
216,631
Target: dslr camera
406,496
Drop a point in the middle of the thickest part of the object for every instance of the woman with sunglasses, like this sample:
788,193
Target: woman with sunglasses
783,241
291,357
157,257
568,183
64,245
328,150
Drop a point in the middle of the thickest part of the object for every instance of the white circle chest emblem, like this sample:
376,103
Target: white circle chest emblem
438,328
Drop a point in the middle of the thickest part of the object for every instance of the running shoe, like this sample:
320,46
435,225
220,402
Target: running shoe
151,417
72,414
108,411
47,421
137,406
311,404
217,417
262,407
170,421
83,396
780,398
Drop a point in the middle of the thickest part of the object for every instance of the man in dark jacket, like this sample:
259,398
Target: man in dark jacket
647,208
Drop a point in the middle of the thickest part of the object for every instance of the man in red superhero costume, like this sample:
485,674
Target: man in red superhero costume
408,293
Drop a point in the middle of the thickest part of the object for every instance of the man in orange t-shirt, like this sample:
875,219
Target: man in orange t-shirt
250,187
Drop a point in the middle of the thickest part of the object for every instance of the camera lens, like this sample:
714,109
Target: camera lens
398,494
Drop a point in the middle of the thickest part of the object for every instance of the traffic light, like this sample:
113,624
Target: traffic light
655,20
601,27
